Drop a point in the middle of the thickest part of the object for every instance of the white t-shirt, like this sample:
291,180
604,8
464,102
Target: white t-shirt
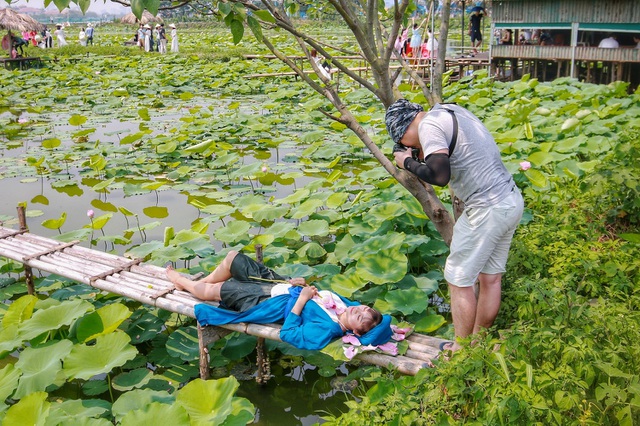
609,42
478,176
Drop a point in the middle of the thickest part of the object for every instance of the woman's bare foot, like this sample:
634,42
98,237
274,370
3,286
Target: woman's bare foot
175,277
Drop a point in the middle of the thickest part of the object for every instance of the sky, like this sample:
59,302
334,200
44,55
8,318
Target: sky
97,6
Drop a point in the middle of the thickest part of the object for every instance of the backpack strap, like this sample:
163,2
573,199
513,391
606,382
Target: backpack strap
454,133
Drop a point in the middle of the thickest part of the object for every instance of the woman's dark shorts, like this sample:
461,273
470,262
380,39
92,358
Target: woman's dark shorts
245,290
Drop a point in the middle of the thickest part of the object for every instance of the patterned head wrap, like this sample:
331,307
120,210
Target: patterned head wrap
399,116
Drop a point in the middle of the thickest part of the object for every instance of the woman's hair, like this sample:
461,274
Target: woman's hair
372,319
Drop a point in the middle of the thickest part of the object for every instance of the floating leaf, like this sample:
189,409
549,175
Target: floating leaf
131,379
77,120
183,344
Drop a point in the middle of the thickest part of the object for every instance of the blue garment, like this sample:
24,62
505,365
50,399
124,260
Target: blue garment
313,329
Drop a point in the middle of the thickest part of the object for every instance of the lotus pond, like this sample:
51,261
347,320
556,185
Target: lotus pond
182,157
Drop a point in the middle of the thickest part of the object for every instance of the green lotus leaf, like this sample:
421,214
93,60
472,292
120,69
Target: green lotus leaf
181,373
373,245
131,379
54,317
110,351
296,270
430,323
264,239
382,212
537,178
306,208
101,321
55,223
311,250
157,413
40,367
208,402
77,120
234,231
9,376
269,212
51,143
100,221
138,399
407,301
386,266
296,197
95,387
218,210
79,412
239,346
347,283
31,410
143,326
242,412
183,344
317,228
283,230
19,311
156,212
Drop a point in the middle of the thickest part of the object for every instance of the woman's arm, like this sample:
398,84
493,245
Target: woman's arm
306,294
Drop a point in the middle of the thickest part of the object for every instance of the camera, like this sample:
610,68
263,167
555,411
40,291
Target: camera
398,147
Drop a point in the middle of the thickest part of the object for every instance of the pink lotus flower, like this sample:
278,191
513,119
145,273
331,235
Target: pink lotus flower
264,169
352,339
525,165
90,214
22,120
350,351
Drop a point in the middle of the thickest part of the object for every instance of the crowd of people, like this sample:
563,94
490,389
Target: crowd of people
413,45
155,40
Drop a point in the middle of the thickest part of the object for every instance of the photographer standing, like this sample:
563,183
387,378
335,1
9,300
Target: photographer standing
450,145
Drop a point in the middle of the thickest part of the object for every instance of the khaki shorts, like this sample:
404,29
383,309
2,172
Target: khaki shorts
481,240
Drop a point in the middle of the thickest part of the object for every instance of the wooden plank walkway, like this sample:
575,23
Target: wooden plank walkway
148,284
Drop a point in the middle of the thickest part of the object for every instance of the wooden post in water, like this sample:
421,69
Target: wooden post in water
262,357
28,273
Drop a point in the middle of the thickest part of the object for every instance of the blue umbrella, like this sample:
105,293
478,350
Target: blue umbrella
476,9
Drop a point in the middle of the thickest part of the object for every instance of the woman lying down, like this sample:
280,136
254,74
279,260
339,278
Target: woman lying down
250,292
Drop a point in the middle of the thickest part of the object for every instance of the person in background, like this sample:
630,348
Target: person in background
60,36
323,66
48,38
454,148
636,40
141,36
174,38
162,39
82,37
89,33
474,30
146,31
610,42
507,37
416,38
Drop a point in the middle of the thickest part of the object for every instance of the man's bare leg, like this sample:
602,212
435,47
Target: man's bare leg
488,301
463,311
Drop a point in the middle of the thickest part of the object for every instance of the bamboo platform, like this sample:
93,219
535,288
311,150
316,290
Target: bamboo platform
148,284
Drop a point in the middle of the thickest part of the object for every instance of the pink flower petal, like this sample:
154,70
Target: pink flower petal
389,348
398,337
525,165
352,339
350,352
